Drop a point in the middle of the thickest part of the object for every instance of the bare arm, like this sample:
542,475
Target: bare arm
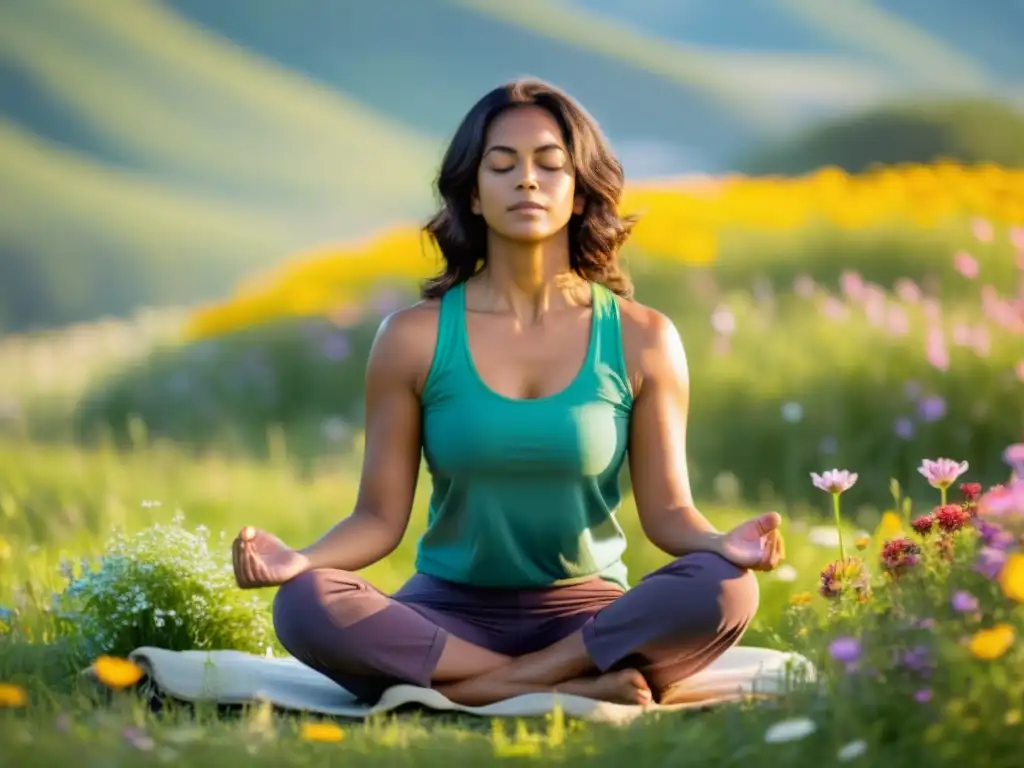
657,454
391,460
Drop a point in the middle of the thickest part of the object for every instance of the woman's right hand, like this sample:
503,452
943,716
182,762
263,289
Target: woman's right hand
263,560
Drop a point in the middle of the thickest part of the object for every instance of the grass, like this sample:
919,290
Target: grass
58,502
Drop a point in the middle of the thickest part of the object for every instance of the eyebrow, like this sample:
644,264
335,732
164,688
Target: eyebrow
511,151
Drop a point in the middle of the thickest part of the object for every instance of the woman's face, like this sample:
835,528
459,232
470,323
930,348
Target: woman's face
526,185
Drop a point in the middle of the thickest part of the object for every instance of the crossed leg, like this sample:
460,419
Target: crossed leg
672,624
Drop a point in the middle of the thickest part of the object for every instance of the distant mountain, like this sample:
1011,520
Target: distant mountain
153,151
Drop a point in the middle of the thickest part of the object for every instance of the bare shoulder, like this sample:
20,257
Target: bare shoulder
652,344
405,342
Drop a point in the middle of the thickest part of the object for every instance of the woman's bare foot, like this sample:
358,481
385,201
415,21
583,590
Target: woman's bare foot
625,686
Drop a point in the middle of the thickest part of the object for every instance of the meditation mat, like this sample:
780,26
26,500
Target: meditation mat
237,678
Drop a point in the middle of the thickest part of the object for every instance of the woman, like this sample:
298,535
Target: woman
526,376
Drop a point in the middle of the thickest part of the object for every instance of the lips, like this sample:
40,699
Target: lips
527,206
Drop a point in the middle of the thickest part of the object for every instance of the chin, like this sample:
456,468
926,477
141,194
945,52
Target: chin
529,232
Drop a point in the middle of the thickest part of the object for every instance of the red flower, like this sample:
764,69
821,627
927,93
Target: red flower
952,517
900,554
971,491
923,524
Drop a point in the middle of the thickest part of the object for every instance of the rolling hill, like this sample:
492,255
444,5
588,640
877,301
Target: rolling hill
152,152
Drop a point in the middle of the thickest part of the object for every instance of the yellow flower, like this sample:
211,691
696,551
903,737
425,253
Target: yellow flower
990,644
1011,578
862,542
800,599
117,673
12,696
326,732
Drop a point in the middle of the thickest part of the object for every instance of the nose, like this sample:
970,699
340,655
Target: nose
529,178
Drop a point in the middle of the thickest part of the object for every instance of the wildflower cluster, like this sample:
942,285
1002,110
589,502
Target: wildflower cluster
164,586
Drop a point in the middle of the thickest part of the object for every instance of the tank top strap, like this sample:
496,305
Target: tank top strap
610,354
450,348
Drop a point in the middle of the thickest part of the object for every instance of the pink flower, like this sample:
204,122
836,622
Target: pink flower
907,290
1014,456
1003,501
942,473
935,350
834,480
1017,238
966,264
982,230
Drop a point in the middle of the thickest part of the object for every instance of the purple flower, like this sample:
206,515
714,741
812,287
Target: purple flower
845,650
964,602
904,428
993,535
932,408
917,659
336,347
923,696
989,562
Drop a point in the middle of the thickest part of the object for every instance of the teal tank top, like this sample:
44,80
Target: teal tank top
525,492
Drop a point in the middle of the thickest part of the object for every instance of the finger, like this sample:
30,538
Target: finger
767,522
249,561
247,533
236,562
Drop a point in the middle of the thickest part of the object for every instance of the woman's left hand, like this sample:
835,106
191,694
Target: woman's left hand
756,544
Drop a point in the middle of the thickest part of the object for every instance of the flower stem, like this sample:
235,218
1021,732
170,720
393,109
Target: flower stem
942,491
839,530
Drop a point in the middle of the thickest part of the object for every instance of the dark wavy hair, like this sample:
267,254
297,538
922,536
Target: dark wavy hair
595,236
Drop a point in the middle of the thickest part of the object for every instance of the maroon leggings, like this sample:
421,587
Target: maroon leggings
672,624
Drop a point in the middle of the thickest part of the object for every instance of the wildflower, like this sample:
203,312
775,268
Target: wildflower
852,750
923,524
1005,503
917,659
990,644
923,696
933,407
139,739
966,264
835,482
801,599
845,650
117,673
971,491
964,602
903,428
1011,577
324,732
982,230
990,562
900,554
823,536
12,696
1014,456
862,542
792,412
942,473
786,573
952,517
837,576
790,730
993,535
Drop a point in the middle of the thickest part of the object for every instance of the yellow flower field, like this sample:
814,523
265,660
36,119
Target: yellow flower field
681,221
